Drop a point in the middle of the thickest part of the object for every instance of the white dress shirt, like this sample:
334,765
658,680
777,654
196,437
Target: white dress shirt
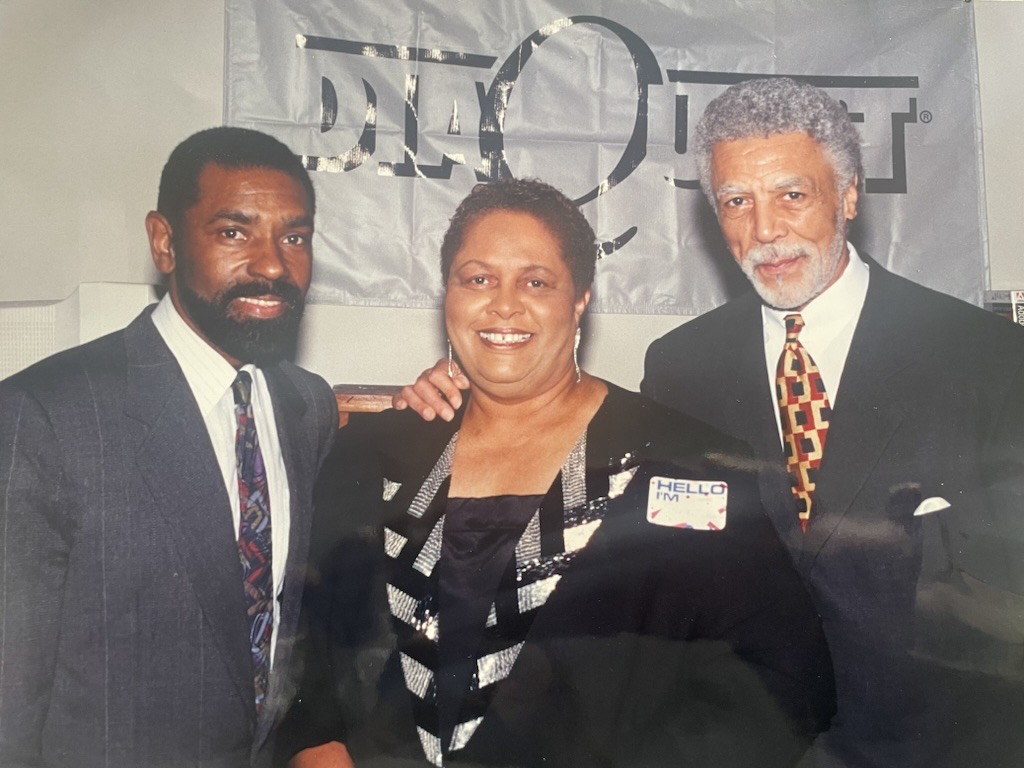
829,322
210,377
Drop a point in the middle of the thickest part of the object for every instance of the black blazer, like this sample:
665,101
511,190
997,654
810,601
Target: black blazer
659,646
922,613
124,640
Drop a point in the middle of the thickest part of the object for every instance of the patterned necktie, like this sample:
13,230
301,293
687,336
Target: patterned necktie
805,412
254,535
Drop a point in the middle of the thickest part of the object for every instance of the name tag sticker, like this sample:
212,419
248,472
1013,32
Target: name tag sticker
696,504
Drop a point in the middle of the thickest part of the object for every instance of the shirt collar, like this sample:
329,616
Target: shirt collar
208,374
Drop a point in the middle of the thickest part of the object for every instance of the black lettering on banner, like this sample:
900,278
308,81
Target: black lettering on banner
494,102
409,167
366,143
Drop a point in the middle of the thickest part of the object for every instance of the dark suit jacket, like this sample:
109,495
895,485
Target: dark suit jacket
660,646
124,639
923,613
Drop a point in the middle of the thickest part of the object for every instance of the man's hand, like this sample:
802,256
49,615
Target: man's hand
435,393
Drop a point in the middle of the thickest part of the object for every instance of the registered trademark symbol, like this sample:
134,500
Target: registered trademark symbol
926,116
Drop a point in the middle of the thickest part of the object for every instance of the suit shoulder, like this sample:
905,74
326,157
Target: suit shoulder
635,418
70,369
950,322
721,320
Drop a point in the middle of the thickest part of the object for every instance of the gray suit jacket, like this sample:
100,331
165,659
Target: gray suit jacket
124,640
923,614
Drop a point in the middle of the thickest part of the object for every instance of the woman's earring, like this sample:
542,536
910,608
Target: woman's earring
450,373
575,359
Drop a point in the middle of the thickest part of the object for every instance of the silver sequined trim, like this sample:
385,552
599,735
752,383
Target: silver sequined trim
393,543
463,732
492,617
536,594
528,547
574,475
431,552
495,667
403,606
576,538
417,677
390,489
437,475
617,483
431,746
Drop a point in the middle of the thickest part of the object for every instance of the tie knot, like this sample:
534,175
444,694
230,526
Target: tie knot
794,324
242,388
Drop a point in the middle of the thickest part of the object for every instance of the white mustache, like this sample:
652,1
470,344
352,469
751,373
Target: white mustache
773,254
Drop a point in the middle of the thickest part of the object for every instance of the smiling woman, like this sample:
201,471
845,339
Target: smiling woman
566,574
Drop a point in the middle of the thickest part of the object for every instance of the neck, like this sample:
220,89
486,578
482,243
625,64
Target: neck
490,410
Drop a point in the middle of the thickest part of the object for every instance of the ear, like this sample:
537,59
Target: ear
850,198
581,305
160,235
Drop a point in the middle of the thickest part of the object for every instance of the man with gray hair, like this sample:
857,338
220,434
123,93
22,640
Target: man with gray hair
889,420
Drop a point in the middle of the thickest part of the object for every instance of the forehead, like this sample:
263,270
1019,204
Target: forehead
770,158
510,235
253,189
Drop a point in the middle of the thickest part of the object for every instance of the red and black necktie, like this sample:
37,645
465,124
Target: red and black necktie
805,414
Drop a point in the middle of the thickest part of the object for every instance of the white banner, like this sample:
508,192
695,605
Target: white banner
400,106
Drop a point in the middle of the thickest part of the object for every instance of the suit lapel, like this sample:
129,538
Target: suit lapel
178,465
867,413
299,462
751,414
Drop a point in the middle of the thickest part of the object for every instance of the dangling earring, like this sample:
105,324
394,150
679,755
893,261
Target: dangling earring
575,359
450,373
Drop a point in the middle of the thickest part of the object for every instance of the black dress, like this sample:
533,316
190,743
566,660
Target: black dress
599,634
477,548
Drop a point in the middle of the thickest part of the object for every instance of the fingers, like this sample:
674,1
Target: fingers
434,393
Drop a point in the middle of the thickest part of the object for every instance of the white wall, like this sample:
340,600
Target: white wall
95,95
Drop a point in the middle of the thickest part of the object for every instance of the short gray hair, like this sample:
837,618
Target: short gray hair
774,106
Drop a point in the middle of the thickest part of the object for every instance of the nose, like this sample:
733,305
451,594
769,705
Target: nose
505,301
769,226
266,260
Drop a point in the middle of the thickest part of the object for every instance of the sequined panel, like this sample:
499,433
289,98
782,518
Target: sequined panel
536,594
576,538
393,543
617,483
417,677
492,617
495,667
528,547
403,607
431,746
463,732
431,552
574,475
593,510
437,476
390,489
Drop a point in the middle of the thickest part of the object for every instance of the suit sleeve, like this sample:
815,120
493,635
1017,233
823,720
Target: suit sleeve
650,385
36,531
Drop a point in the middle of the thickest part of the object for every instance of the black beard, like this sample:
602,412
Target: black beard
250,340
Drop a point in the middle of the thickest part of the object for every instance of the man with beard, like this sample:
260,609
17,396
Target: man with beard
155,489
888,419
889,423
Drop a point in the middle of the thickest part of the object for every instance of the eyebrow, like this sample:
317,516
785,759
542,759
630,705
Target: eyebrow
240,217
793,181
489,265
727,190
